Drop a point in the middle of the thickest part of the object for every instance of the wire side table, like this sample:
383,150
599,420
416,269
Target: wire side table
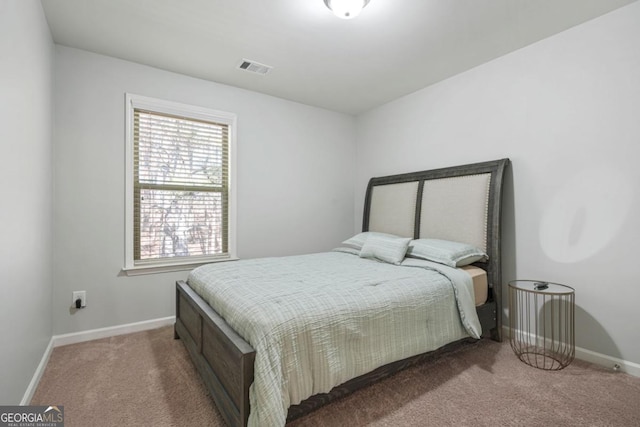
541,323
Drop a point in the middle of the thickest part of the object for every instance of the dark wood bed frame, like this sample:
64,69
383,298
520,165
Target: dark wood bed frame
225,360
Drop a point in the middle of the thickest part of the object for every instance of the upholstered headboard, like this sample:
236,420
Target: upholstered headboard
460,203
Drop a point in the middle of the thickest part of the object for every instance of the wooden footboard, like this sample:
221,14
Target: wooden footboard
223,359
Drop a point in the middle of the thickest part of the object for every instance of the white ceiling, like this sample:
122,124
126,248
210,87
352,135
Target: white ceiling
393,48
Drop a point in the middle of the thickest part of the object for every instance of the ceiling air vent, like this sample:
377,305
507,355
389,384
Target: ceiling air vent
254,67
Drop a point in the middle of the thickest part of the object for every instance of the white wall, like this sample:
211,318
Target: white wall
295,182
566,110
26,66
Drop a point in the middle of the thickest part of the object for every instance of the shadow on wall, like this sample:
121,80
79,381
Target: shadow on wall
580,220
590,334
585,214
575,225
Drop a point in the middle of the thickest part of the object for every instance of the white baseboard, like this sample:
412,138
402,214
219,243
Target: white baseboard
630,368
93,334
111,331
31,389
604,360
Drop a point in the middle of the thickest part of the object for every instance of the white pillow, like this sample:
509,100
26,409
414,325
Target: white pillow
453,254
357,241
385,247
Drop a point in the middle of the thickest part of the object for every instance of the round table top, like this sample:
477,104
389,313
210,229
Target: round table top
538,286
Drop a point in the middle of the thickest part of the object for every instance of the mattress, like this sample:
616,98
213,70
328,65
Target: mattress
480,283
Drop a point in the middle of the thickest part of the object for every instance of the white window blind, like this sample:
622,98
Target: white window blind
181,186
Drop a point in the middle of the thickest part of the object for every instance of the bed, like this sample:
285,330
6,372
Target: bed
455,204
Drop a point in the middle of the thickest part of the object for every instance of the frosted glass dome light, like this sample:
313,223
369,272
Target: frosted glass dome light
346,9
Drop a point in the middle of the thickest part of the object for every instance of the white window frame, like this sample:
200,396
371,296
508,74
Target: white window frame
131,267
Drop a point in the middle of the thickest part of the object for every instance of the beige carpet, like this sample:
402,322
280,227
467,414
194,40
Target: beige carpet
146,379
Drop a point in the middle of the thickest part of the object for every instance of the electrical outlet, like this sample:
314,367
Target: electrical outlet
83,298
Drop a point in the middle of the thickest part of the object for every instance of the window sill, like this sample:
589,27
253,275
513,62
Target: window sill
139,270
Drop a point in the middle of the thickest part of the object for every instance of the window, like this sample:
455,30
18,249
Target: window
180,204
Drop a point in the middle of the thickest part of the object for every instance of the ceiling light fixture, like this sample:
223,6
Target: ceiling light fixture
346,9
